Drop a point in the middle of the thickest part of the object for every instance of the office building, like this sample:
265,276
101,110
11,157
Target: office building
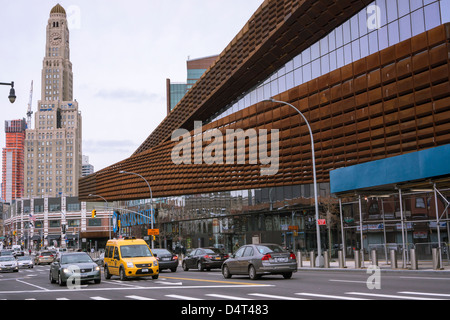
195,69
53,148
13,160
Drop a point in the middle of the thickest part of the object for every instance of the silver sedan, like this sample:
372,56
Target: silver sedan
256,260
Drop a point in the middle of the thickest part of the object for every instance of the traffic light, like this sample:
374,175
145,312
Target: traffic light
94,213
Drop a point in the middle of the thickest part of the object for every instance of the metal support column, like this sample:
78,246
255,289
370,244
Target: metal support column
361,227
403,229
342,233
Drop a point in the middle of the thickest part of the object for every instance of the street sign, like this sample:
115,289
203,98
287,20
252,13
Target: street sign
153,232
322,222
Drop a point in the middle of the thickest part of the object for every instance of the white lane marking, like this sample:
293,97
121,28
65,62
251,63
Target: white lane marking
271,296
222,296
426,294
33,285
99,298
138,298
388,296
328,296
182,297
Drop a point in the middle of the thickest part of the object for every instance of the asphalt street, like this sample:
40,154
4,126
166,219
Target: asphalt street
34,284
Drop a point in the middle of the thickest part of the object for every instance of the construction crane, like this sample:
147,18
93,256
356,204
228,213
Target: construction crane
30,112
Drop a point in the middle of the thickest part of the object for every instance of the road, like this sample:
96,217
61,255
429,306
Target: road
33,284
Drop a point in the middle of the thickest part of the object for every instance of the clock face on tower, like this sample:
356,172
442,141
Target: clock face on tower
55,39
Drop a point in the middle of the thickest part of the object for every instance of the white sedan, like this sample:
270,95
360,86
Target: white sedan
8,263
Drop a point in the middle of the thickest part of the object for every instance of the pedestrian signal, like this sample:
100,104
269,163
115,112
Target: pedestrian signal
94,213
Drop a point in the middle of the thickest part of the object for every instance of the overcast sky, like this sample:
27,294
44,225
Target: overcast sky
122,52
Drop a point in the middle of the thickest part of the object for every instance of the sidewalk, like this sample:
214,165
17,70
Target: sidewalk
422,266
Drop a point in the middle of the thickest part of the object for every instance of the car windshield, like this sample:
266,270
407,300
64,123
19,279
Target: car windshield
161,251
23,258
8,258
75,258
6,253
264,249
46,253
213,251
135,251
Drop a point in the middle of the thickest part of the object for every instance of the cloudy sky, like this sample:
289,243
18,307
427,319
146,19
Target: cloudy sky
122,52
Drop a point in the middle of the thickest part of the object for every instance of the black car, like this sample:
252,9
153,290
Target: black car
204,258
166,259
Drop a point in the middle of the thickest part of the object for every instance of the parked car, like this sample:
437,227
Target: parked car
74,264
8,263
166,259
25,262
44,257
256,260
7,252
204,258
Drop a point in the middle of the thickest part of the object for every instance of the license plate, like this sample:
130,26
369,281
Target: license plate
217,258
166,259
144,270
282,259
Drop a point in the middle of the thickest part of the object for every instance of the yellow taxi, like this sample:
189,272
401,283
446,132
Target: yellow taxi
129,257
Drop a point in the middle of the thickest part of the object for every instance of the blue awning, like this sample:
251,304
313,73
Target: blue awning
409,167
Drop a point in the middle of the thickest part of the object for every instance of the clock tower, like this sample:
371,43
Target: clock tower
57,59
53,151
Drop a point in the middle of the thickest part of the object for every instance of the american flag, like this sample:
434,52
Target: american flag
32,217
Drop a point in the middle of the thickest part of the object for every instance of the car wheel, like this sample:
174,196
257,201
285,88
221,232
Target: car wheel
61,282
226,272
287,275
199,266
123,277
173,269
185,267
107,274
51,278
156,276
97,281
252,273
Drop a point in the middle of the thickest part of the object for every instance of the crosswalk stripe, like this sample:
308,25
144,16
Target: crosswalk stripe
227,297
182,297
138,298
271,296
388,296
99,298
62,299
328,296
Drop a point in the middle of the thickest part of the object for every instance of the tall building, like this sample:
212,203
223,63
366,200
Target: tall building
12,160
53,147
87,168
195,69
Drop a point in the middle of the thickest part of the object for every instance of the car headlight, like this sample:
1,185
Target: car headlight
97,268
156,263
130,264
66,270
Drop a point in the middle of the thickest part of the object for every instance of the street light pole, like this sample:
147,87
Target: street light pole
12,92
319,260
151,199
106,209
